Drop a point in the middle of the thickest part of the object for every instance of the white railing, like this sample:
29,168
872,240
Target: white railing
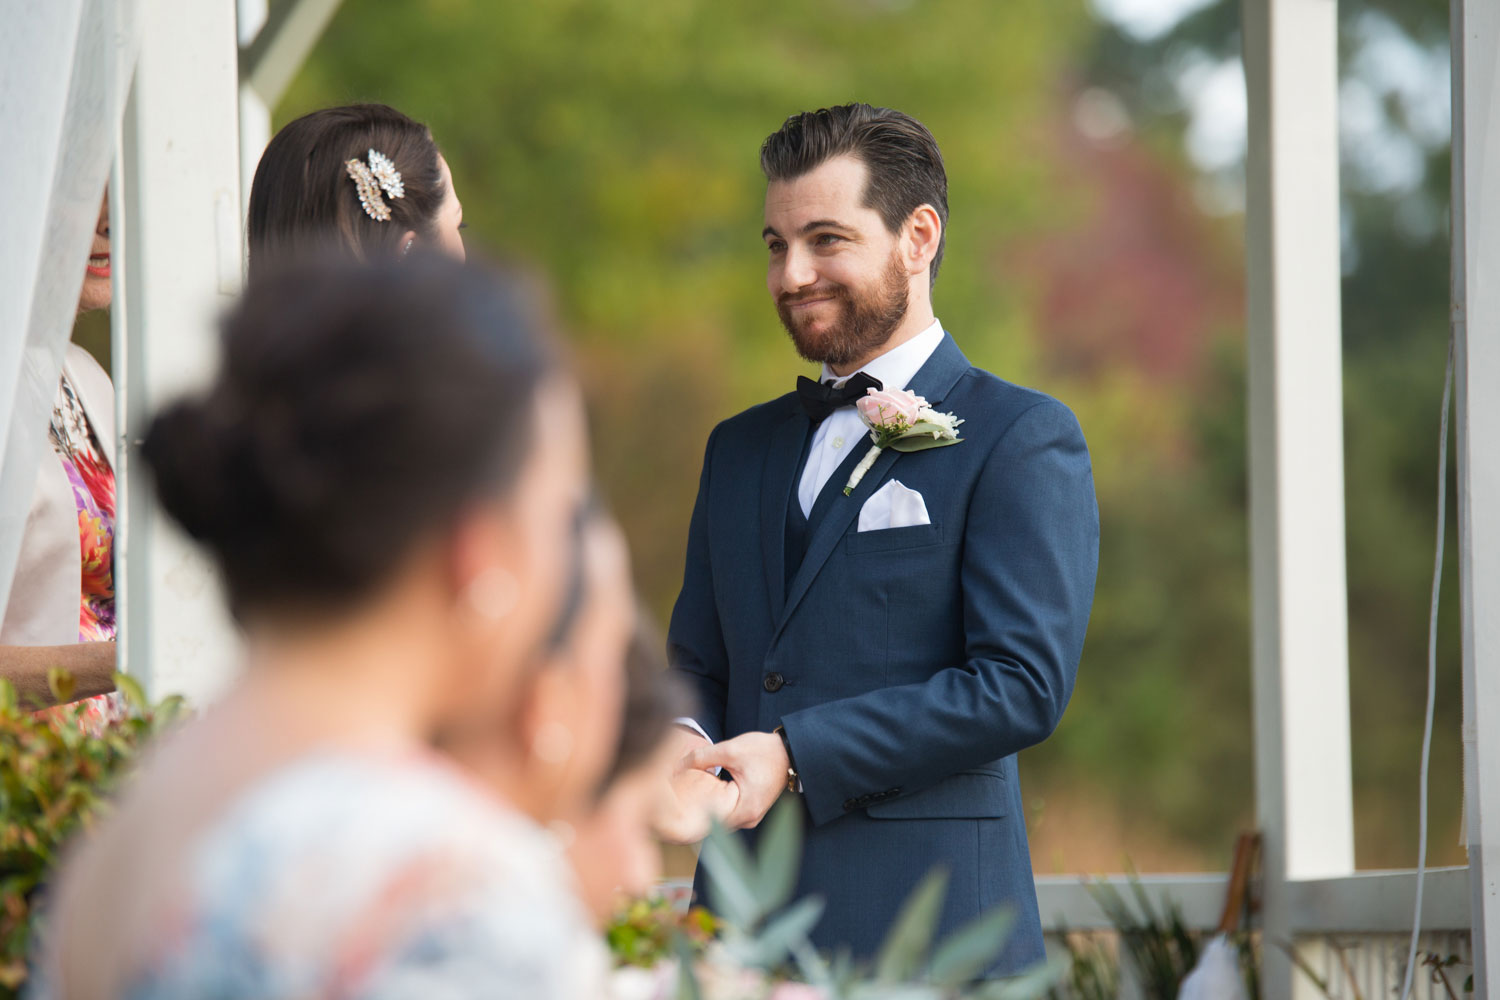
1352,932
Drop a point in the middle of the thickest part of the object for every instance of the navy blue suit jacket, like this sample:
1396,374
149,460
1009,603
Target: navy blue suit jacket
908,665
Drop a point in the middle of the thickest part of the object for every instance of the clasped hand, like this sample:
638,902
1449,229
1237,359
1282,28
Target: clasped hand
757,763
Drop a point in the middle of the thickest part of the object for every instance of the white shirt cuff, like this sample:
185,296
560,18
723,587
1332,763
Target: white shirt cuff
692,724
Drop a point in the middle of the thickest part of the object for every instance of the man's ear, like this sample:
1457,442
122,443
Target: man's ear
920,239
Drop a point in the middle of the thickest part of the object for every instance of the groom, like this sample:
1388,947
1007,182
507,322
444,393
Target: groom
882,655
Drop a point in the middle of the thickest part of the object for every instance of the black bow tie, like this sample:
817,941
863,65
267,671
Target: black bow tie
820,399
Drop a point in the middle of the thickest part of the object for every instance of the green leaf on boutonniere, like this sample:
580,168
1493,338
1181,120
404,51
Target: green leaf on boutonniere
922,443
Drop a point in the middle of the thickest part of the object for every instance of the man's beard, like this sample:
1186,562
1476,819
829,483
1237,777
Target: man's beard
863,326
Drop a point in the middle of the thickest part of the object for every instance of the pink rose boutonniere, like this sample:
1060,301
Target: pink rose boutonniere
901,420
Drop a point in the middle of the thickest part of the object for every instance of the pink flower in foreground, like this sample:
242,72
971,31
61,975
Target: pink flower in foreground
889,407
797,991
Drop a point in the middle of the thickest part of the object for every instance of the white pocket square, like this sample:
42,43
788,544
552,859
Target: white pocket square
893,506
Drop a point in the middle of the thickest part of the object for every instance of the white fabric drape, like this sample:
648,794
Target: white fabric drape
65,70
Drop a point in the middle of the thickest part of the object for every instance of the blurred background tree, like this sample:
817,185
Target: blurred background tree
1095,251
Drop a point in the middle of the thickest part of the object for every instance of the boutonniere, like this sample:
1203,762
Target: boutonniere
901,420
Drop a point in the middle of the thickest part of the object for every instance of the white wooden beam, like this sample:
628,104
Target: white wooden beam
1369,903
255,113
1476,319
178,220
272,60
1304,796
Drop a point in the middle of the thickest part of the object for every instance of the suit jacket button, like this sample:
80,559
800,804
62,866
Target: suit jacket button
773,682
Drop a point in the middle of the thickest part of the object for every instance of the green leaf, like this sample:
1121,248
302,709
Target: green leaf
1033,984
8,699
967,952
780,855
731,878
814,968
782,934
170,710
687,979
61,684
905,949
133,692
911,444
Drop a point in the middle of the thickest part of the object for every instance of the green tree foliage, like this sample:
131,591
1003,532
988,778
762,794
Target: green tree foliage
610,146
613,146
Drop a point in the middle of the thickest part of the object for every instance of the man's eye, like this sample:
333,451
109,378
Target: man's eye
827,239
776,246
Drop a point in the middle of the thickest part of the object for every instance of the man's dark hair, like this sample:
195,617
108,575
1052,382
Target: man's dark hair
903,159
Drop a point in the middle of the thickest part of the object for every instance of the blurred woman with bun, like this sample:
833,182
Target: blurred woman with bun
402,545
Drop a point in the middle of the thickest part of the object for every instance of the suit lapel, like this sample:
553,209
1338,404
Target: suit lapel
834,512
787,441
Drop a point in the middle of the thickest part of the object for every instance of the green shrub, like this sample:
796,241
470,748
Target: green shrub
55,779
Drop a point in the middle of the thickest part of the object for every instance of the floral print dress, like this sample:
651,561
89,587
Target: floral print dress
366,876
93,481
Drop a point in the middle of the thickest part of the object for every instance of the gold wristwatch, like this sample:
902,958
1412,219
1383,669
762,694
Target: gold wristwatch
793,782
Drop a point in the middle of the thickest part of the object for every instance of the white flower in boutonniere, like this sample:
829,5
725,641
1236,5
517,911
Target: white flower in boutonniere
901,420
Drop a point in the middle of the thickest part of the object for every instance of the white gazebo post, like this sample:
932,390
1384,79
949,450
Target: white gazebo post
1304,796
274,45
1476,320
176,212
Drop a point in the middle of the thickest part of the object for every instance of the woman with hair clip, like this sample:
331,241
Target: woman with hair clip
403,548
363,180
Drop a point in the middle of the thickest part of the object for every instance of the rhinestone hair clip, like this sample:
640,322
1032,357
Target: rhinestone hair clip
369,180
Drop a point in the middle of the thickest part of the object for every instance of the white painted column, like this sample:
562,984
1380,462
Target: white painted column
178,221
1476,318
1304,796
255,113
273,47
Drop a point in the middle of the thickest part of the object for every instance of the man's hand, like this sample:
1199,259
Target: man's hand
696,800
695,797
758,764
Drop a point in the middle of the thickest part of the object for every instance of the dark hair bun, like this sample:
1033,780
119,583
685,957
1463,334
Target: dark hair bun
357,408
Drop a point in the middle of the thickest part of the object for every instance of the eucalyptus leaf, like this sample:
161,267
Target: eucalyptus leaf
894,991
1033,984
730,878
929,427
791,927
814,968
905,949
687,979
971,949
780,856
911,444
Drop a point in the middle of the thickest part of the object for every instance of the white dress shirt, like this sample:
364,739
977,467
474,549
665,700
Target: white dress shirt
844,429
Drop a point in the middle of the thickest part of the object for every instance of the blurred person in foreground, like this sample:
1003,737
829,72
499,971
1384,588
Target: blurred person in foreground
585,750
400,542
615,853
61,610
362,181
881,605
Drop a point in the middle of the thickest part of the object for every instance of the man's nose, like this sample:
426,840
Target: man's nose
797,271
